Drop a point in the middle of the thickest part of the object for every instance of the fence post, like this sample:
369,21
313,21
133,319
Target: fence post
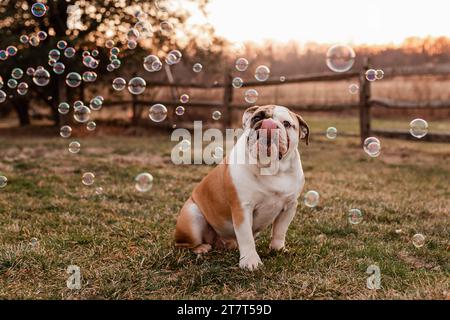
227,99
364,104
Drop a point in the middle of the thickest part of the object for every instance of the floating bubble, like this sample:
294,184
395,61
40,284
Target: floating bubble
2,96
34,242
96,104
372,147
74,147
89,76
184,98
51,63
99,191
30,71
61,45
340,58
114,51
166,27
65,131
95,53
109,44
73,79
3,181
371,75
69,52
119,84
237,82
91,126
312,199
282,79
63,108
133,35
22,88
3,55
54,54
331,133
87,61
116,63
262,73
59,68
157,65
132,44
251,96
144,182
148,62
137,85
174,57
78,104
12,83
353,88
355,216
197,68
24,39
17,73
216,115
418,128
38,9
41,77
88,179
110,68
34,41
12,51
42,35
418,240
179,111
158,112
241,64
379,74
82,114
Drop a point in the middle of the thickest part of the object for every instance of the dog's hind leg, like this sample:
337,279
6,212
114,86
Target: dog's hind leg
193,231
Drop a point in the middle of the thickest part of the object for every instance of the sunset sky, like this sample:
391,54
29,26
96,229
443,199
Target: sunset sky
329,21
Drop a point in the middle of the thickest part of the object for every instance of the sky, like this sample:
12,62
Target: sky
329,21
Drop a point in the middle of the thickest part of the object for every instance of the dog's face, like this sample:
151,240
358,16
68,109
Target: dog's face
274,129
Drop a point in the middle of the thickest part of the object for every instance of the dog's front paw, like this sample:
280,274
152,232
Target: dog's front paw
277,245
250,261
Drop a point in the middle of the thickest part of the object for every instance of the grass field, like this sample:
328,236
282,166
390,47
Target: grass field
122,239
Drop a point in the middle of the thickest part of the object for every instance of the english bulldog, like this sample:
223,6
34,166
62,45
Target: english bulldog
235,201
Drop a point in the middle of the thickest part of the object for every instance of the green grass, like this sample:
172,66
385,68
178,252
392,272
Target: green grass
122,240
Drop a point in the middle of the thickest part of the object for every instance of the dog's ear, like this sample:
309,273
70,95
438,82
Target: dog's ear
303,129
248,114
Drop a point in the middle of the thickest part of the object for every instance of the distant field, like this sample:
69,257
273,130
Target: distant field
122,239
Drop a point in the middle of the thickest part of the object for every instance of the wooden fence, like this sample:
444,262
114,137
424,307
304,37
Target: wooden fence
365,104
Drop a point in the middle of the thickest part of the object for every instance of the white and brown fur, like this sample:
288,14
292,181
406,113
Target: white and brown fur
234,202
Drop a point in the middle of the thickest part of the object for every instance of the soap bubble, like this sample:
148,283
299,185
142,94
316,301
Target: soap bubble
51,62
41,77
353,88
355,216
22,88
96,104
99,191
282,79
88,179
3,181
137,85
78,104
216,115
12,83
91,126
184,98
179,111
241,64
114,51
61,45
74,147
418,128
418,240
331,133
38,9
59,68
109,44
251,96
157,65
262,73
17,73
24,39
69,52
371,75
110,68
144,182
237,82
2,96
65,131
82,114
42,35
133,35
63,108
119,84
3,55
73,79
158,112
312,199
372,147
166,27
174,57
11,50
149,61
95,53
379,74
197,68
34,41
34,242
54,54
132,44
89,76
116,63
340,58
30,71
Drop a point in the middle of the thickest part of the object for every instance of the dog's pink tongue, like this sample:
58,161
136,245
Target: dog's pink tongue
269,125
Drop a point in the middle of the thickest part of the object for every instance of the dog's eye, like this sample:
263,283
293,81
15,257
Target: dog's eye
287,124
256,119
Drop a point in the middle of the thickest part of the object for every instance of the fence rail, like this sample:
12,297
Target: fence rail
364,105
